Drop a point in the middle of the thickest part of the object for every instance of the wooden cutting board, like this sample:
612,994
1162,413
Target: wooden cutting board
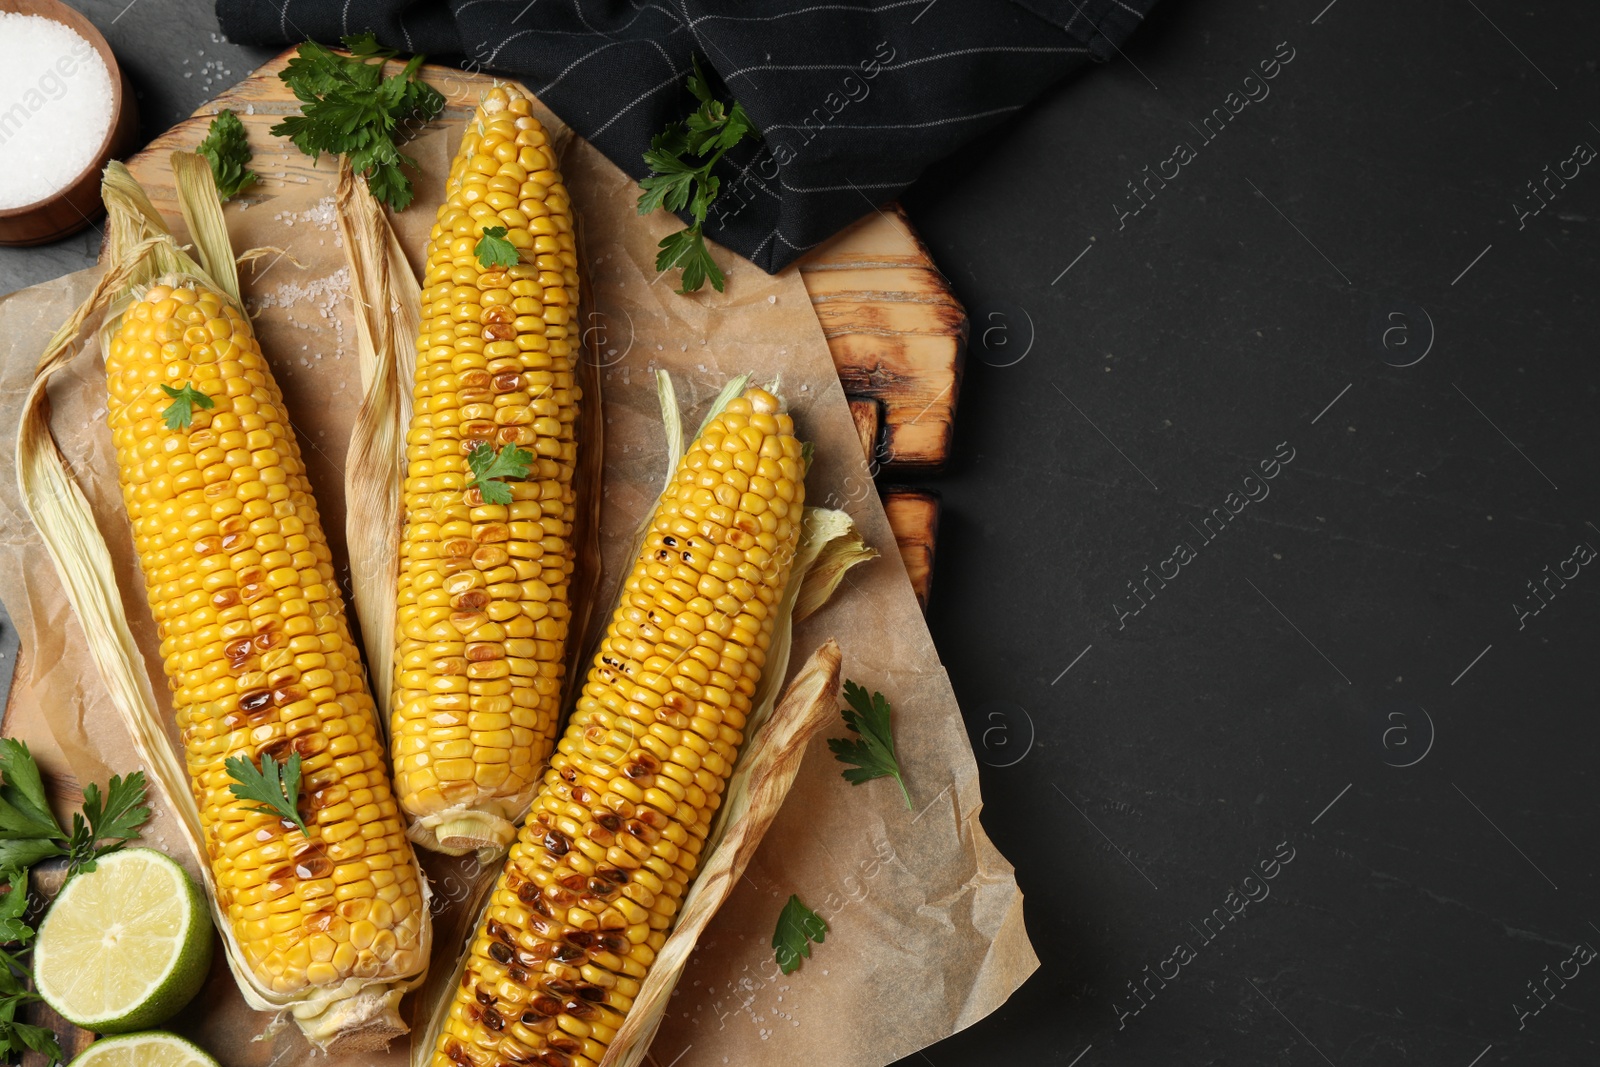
896,332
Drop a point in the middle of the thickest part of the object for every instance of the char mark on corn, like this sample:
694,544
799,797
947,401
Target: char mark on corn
257,651
597,874
483,608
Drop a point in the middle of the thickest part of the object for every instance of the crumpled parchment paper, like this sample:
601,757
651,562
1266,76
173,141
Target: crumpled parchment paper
925,919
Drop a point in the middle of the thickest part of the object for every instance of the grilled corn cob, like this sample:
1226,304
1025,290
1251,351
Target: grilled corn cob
599,869
483,610
257,652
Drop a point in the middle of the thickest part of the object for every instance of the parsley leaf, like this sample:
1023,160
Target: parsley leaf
180,413
228,152
872,755
115,819
675,183
15,1036
798,926
687,249
493,250
489,464
24,808
348,106
13,905
365,44
277,788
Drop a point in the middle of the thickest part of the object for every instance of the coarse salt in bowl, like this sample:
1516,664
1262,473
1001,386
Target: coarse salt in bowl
55,107
65,109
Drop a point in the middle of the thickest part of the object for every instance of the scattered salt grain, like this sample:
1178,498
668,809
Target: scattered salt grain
772,299
55,107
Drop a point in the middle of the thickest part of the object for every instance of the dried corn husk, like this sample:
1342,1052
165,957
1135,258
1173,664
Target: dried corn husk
358,1013
841,548
755,793
388,312
777,733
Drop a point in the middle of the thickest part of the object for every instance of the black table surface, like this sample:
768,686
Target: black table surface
1264,574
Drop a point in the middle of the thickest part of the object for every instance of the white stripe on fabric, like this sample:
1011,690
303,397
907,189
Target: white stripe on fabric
752,256
502,44
907,63
630,105
571,66
841,188
791,244
905,125
587,55
816,7
577,9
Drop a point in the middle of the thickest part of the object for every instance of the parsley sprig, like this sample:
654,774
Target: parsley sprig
493,250
29,831
348,106
798,926
675,182
872,754
489,465
228,151
180,413
275,786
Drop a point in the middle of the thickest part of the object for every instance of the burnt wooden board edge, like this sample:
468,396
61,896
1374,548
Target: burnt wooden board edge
902,345
914,517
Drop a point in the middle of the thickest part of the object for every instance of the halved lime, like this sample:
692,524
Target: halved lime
152,1049
124,946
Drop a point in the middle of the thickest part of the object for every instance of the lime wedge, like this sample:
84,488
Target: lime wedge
152,1049
124,946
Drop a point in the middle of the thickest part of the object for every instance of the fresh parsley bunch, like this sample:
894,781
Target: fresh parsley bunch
348,106
676,182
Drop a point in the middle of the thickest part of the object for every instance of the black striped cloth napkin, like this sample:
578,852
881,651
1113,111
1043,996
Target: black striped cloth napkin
853,100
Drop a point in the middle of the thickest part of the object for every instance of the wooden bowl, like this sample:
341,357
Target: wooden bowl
69,210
